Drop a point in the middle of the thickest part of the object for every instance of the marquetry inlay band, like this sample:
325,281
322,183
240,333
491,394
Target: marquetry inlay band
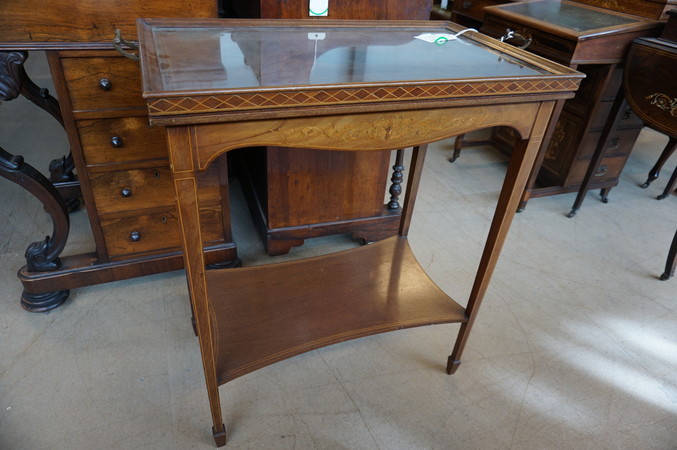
338,96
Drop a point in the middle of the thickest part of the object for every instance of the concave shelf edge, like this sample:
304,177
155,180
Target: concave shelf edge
265,314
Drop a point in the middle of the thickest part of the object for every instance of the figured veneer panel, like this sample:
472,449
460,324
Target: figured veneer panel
261,316
299,180
88,20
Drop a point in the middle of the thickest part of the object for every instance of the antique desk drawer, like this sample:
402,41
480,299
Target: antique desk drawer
129,190
103,83
609,169
136,189
156,231
126,139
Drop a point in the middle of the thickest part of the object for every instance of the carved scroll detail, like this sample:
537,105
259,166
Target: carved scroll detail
43,255
10,70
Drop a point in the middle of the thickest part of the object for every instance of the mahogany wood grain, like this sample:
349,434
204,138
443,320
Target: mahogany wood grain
87,20
308,187
155,230
87,269
341,300
103,83
338,9
136,140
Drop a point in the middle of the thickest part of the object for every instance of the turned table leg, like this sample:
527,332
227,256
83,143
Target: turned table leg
656,169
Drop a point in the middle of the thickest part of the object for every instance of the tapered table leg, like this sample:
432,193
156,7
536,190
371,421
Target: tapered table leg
672,260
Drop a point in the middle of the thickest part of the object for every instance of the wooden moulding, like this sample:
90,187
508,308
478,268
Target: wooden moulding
346,295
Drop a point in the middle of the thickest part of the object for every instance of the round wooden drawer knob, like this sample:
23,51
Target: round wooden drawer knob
117,142
105,84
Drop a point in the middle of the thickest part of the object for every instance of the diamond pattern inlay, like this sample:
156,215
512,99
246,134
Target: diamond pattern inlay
282,99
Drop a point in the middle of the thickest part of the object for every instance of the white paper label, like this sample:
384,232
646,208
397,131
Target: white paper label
318,8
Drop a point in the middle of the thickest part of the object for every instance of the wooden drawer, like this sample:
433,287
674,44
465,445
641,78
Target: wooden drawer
137,189
126,235
128,190
102,83
609,170
107,141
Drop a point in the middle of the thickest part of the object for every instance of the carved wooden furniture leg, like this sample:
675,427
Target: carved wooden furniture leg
670,186
656,169
672,259
60,169
41,256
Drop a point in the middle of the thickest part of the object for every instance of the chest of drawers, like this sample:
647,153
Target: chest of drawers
122,162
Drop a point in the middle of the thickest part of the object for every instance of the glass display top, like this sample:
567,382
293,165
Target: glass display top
568,15
217,58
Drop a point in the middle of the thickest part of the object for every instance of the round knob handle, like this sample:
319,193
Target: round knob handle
126,192
135,236
105,84
117,141
467,4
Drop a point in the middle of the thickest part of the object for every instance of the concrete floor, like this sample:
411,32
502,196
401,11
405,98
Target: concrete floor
575,346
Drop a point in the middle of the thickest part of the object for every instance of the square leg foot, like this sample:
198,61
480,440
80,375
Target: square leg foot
219,436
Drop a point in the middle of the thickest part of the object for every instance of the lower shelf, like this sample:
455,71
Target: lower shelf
264,314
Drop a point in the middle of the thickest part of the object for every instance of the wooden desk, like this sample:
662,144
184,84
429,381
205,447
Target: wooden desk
410,92
117,165
593,41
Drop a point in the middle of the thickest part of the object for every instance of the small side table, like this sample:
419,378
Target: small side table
374,86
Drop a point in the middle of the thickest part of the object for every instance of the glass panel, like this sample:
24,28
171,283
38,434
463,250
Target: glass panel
222,58
568,16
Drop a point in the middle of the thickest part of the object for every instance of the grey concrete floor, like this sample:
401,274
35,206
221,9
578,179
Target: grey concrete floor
575,346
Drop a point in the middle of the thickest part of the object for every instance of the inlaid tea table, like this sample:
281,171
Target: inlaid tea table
348,86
